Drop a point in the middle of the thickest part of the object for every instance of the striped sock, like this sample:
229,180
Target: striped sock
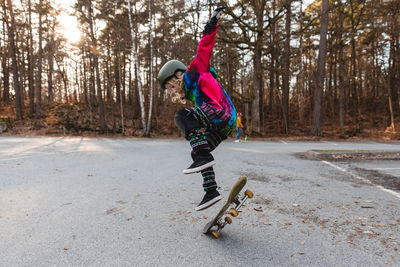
198,140
209,179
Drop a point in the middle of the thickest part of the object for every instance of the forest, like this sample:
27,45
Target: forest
291,67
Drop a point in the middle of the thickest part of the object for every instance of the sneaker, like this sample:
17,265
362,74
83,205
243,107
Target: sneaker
201,162
237,141
209,199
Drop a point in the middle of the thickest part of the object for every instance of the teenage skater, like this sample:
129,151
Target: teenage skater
212,119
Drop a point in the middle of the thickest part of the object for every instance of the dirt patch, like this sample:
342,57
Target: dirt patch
375,177
386,180
345,155
251,175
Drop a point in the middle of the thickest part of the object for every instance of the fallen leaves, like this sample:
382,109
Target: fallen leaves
259,209
114,211
181,212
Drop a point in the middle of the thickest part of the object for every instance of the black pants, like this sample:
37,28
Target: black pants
191,120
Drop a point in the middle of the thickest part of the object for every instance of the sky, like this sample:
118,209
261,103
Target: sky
70,23
307,2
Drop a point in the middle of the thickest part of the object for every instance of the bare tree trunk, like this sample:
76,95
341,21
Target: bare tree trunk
96,66
147,132
394,75
123,79
122,112
300,76
273,60
341,71
31,90
354,85
13,52
109,94
130,90
77,84
286,72
64,78
5,64
392,126
38,93
317,127
84,85
259,7
50,76
135,56
117,75
50,60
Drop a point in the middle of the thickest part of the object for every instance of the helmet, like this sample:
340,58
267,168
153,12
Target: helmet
168,70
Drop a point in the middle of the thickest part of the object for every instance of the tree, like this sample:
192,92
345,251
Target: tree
147,132
94,56
286,72
38,92
11,39
5,62
31,64
136,59
251,38
317,127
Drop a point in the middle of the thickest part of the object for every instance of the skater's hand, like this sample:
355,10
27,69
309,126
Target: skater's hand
212,23
217,12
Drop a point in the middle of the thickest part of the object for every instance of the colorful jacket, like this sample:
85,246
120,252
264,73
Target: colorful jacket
202,88
239,122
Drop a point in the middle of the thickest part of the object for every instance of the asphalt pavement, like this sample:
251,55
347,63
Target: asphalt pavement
125,202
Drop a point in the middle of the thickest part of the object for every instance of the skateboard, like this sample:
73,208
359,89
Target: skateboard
234,199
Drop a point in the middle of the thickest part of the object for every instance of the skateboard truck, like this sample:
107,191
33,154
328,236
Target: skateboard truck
234,212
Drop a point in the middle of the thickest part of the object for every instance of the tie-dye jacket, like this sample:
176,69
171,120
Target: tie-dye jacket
201,87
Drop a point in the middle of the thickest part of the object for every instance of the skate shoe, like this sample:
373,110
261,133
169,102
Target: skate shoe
209,199
201,161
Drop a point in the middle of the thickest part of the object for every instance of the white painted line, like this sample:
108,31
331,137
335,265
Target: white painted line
248,150
363,179
331,143
385,169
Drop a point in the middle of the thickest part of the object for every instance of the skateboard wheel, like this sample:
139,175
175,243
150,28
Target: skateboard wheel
215,234
228,220
249,193
233,212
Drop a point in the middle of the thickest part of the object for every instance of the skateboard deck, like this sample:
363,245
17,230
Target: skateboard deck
234,200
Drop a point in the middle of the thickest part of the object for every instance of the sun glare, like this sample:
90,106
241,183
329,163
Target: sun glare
70,29
68,22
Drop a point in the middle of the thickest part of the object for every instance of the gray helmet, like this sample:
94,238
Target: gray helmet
168,70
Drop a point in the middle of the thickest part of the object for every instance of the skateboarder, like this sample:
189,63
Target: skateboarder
239,127
212,119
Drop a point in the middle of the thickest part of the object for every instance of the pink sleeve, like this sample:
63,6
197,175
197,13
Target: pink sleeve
202,60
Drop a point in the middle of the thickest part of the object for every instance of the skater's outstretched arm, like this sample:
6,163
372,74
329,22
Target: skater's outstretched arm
201,62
